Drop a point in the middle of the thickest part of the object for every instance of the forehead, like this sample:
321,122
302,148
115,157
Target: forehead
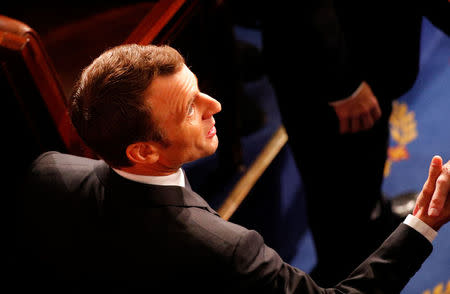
182,80
169,94
184,75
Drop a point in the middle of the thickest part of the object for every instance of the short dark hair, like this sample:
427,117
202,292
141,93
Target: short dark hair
107,106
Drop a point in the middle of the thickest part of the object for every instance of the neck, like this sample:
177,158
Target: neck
149,170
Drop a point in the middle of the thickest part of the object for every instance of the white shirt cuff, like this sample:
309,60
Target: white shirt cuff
421,227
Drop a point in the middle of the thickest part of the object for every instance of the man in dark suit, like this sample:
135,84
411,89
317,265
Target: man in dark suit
130,222
336,66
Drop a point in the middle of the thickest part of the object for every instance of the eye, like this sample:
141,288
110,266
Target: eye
191,110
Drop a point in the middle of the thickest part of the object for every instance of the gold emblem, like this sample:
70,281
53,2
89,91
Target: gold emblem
439,289
403,130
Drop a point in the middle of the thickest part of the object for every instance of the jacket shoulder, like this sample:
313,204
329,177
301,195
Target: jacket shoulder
55,169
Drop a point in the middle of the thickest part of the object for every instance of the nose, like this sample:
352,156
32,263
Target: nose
211,106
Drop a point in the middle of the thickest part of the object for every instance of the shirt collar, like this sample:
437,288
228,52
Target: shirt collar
175,179
151,194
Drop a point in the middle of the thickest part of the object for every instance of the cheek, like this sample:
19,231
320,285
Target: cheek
192,132
185,141
191,139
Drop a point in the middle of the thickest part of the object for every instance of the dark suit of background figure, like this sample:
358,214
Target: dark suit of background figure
320,52
85,228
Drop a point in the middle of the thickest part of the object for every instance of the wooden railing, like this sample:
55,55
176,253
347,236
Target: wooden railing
253,173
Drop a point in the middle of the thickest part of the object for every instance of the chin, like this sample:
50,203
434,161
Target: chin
211,150
214,145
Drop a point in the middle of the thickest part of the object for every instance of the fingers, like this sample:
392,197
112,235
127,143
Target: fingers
367,121
360,119
376,112
358,123
441,192
344,126
355,125
429,187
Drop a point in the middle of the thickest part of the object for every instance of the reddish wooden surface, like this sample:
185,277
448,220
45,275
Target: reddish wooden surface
19,39
156,19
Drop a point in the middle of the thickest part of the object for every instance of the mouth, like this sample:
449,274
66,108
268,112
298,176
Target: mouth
212,132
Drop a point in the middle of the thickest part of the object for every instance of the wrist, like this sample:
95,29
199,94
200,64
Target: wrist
421,227
351,97
434,222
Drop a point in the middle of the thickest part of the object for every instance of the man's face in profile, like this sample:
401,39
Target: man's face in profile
186,117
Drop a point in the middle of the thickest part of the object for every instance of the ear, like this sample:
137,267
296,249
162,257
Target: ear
142,153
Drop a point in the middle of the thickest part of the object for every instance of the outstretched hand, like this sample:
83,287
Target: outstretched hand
433,204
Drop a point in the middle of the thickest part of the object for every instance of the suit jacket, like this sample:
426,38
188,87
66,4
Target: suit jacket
83,227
